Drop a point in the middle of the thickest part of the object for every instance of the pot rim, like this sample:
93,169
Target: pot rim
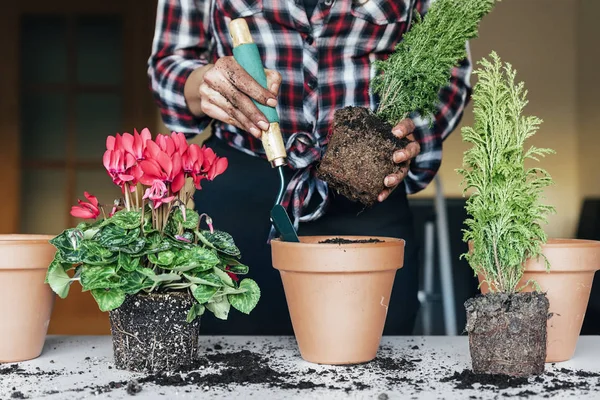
18,239
312,242
566,242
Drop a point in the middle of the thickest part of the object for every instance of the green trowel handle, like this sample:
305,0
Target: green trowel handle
248,57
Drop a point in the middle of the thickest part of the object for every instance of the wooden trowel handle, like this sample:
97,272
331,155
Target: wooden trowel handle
246,54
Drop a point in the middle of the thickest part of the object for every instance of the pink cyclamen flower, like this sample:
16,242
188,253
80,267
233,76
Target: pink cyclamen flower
179,237
180,142
136,144
86,210
160,165
158,194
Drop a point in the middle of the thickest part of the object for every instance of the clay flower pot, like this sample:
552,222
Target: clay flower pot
338,294
150,332
573,263
25,300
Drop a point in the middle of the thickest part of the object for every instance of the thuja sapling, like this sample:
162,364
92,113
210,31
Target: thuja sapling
145,258
504,225
408,83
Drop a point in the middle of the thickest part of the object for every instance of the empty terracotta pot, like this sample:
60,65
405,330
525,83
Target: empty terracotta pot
338,294
573,263
25,300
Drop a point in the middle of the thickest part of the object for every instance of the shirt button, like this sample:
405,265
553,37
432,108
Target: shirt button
328,2
309,40
312,84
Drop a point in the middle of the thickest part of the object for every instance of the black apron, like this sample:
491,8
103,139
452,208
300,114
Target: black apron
239,202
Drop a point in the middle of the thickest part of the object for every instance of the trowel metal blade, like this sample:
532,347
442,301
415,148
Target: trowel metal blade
283,225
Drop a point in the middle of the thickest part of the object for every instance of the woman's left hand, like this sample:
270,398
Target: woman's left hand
405,128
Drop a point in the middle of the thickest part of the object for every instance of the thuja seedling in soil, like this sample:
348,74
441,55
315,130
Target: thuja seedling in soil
361,144
504,226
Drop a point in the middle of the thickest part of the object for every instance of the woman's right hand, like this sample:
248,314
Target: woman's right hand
224,91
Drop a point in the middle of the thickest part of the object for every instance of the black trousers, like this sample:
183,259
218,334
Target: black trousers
239,202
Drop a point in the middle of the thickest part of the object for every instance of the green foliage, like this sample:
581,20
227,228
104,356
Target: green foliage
411,78
504,209
123,255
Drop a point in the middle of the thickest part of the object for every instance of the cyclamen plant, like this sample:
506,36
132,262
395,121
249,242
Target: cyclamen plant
153,242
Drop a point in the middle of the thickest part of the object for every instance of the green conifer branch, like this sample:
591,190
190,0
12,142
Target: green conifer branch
504,209
421,64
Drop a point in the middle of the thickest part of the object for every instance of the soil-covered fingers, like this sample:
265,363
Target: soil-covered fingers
408,153
392,181
273,81
404,128
216,106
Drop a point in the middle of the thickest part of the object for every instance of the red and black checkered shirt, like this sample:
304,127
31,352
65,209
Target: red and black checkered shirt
326,64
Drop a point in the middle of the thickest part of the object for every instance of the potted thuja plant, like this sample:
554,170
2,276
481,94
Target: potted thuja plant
146,259
361,145
506,326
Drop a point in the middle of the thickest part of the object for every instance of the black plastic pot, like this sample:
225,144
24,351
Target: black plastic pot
150,332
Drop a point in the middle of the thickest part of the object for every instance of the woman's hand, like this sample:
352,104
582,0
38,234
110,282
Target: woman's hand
405,128
224,91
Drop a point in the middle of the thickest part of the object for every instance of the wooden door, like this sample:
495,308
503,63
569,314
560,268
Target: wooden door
73,73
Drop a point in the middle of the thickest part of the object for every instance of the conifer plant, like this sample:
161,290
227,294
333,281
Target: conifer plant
361,145
507,326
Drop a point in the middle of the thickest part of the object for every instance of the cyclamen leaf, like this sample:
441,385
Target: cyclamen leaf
115,236
68,243
57,278
203,293
108,300
198,257
247,301
206,278
127,262
223,242
164,258
134,247
226,279
133,282
97,277
192,218
94,254
126,219
165,277
196,311
220,309
155,244
238,269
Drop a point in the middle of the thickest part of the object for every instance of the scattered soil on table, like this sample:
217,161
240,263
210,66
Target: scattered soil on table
18,395
348,241
359,154
466,379
508,327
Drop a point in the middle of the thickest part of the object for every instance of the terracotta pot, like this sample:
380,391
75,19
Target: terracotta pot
338,294
573,263
25,300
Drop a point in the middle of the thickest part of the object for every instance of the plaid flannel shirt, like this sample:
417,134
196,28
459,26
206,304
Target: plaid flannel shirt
326,64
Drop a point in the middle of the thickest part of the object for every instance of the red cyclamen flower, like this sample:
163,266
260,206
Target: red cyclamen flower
162,166
231,274
136,144
158,194
86,210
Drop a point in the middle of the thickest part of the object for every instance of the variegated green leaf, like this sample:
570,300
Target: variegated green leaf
219,309
57,278
97,277
223,242
108,300
196,311
245,302
203,293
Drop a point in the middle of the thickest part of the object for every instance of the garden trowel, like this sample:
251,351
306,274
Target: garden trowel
246,54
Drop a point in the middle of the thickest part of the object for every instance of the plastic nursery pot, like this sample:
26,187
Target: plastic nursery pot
338,294
573,263
150,332
25,300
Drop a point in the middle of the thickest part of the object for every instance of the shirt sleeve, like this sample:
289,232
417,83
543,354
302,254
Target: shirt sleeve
181,44
453,99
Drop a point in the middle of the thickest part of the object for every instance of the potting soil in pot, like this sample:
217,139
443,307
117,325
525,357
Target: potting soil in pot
507,333
360,154
150,332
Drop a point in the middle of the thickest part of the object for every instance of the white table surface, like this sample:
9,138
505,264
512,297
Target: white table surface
82,361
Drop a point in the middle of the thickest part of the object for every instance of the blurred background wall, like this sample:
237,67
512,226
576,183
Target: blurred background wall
75,71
